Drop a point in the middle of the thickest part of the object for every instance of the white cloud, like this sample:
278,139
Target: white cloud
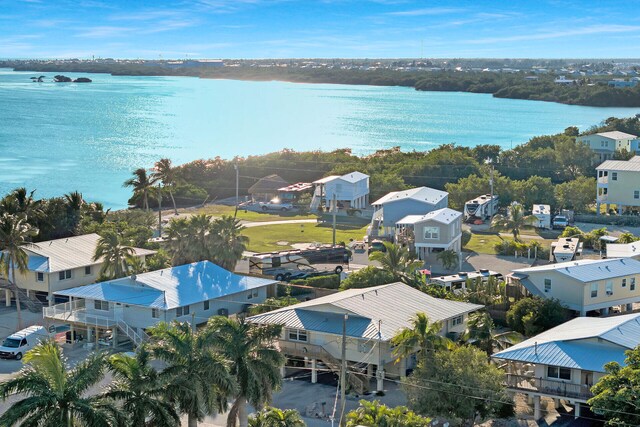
428,11
591,30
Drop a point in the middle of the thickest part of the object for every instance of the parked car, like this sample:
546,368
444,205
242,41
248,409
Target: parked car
275,205
376,246
560,222
17,344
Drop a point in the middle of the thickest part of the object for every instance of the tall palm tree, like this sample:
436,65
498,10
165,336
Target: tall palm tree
166,173
200,234
423,336
179,236
27,204
398,260
15,234
227,242
481,332
255,362
140,390
75,202
514,221
448,258
198,379
54,394
115,253
141,184
276,417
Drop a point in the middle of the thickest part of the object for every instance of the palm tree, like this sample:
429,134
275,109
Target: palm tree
15,234
227,242
198,379
275,417
75,202
115,254
514,221
27,205
179,241
141,390
481,333
141,184
165,173
398,260
423,336
56,394
255,362
199,229
448,258
627,238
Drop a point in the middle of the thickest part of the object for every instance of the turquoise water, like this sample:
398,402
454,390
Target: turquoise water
58,137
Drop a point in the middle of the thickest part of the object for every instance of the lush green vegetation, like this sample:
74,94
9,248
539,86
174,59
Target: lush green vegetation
376,414
533,315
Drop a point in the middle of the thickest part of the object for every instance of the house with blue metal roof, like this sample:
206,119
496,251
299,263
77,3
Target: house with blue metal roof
191,292
564,362
312,330
584,285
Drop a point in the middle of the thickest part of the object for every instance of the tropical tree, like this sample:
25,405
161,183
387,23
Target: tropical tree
376,414
54,394
115,254
141,184
27,205
255,362
514,221
15,234
275,417
398,260
75,203
199,231
449,259
198,379
227,242
627,238
423,336
481,332
141,391
179,235
165,173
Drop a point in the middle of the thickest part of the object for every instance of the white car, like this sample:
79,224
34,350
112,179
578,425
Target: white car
275,205
17,344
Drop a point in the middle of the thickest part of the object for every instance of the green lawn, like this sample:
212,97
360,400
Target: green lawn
483,243
264,239
219,210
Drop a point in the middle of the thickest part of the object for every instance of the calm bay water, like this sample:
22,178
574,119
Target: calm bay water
58,138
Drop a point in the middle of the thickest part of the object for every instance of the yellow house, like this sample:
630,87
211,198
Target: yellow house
61,264
618,183
584,285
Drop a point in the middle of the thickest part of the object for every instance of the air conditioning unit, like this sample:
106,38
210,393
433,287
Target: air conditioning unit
609,292
223,312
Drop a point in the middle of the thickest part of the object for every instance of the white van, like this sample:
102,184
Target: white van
17,344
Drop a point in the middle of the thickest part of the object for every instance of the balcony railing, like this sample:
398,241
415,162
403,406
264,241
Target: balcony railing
549,387
76,312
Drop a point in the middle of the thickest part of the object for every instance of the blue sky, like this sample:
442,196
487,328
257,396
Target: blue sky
329,28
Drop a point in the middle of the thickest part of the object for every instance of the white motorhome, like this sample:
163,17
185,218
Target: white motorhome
17,344
482,207
543,215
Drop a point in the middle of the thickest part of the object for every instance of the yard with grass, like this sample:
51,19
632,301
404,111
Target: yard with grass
281,236
219,210
485,243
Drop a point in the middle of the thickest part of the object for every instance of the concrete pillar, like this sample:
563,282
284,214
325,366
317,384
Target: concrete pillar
619,210
607,207
629,307
530,399
89,334
604,311
576,411
380,379
583,313
597,208
97,336
72,331
403,368
7,297
556,403
114,336
370,370
537,413
314,371
283,371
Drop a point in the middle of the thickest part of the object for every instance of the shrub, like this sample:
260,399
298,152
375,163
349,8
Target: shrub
331,281
530,316
367,277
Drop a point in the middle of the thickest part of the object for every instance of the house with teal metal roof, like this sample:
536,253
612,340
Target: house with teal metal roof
564,362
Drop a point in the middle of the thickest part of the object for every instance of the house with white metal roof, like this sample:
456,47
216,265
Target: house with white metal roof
564,362
60,264
350,191
623,250
190,292
437,231
604,144
312,330
584,285
394,206
618,183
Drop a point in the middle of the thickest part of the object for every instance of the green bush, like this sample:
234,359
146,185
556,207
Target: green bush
367,277
530,316
510,247
331,281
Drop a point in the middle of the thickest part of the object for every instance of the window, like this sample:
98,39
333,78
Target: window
63,275
636,194
547,285
431,233
23,342
632,284
39,276
624,283
297,335
182,311
155,313
605,190
457,320
252,294
206,305
609,287
87,270
558,372
101,305
599,174
594,290
614,176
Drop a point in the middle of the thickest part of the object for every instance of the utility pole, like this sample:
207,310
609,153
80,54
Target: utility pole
334,206
343,370
237,185
159,212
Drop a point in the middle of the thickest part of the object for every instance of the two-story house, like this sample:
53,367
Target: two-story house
437,231
191,292
60,264
349,191
618,183
564,362
371,317
584,285
604,144
394,206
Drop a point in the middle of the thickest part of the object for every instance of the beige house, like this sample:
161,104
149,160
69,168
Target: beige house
618,183
61,264
437,231
312,330
584,285
604,144
564,362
